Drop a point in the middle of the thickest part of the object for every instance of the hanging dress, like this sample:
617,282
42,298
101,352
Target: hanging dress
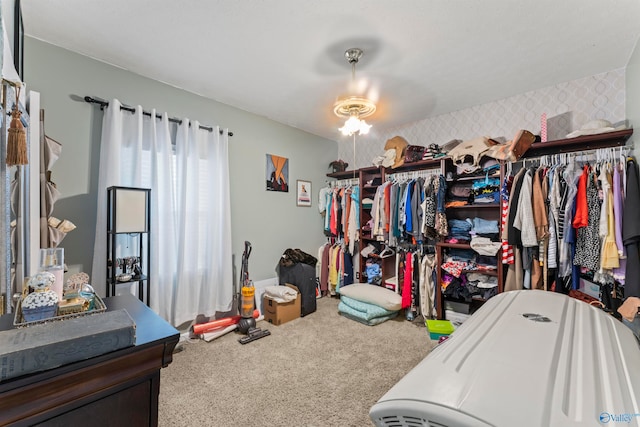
407,281
588,242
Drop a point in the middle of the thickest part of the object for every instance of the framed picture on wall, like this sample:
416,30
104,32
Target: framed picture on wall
277,176
303,193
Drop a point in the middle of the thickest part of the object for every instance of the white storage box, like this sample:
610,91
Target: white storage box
456,319
590,288
527,359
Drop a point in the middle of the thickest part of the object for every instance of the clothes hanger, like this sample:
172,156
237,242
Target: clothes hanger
387,252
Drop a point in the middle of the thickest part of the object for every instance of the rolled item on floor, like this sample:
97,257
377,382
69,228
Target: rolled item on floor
220,323
217,333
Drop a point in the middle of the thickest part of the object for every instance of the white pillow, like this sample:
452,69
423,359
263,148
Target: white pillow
373,294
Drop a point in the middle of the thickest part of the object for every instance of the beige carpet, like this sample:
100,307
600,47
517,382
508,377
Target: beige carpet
319,370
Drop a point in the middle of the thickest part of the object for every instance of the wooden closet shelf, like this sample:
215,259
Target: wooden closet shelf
420,164
349,174
453,245
580,143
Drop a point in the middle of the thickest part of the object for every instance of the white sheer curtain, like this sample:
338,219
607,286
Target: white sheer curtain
190,257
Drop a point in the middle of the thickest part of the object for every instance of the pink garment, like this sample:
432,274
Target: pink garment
333,218
406,285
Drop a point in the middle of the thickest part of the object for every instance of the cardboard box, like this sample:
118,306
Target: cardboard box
281,312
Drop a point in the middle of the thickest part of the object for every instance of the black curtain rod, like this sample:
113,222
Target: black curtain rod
103,104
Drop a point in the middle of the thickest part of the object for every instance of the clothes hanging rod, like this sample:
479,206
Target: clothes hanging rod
104,104
342,182
425,173
588,155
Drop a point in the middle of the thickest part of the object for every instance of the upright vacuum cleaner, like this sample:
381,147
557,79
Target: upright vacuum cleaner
247,323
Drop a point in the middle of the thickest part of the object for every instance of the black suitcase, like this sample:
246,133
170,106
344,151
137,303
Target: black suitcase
303,276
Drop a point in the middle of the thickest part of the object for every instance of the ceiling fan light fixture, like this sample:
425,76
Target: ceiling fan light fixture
354,108
353,125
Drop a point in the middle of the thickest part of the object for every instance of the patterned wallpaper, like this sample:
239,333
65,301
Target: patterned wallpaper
568,106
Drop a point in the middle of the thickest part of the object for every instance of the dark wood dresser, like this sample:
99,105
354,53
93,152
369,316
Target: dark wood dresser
120,388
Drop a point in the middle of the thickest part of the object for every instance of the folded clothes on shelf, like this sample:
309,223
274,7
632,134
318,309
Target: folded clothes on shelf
484,226
485,246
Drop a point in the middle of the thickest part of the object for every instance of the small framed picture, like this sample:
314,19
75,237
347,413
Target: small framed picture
303,194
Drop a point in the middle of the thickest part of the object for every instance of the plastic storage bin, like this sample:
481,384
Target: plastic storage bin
439,328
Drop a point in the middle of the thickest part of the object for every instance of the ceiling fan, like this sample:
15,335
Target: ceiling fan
354,108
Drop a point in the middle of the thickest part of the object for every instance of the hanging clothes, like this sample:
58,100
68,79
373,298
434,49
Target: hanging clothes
427,287
354,219
412,311
578,217
407,281
541,223
610,257
618,209
581,218
555,184
515,272
631,230
323,265
507,249
588,243
571,177
347,269
523,220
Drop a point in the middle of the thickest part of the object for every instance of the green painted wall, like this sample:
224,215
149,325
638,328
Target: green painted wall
270,221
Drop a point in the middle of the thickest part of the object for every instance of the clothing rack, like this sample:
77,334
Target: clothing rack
344,182
399,176
597,154
104,104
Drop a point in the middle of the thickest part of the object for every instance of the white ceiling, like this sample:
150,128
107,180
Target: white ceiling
284,59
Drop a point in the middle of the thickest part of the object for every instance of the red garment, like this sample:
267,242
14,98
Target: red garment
333,220
406,284
581,219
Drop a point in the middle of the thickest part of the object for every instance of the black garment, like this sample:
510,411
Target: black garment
303,276
514,235
293,256
416,201
339,214
347,278
631,231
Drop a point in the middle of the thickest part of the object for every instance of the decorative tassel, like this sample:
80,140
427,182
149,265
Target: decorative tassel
17,140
